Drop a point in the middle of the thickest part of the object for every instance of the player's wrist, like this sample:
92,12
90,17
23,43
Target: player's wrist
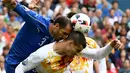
110,45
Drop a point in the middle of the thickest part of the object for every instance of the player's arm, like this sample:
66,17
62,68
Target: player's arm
99,65
17,8
31,62
100,53
28,15
27,65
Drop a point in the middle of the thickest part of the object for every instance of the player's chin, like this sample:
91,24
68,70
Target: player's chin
58,39
71,55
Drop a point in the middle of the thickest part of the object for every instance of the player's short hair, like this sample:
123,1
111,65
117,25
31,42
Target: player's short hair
62,21
70,14
78,38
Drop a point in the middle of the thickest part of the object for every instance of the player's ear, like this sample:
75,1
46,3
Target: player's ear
57,25
65,36
70,42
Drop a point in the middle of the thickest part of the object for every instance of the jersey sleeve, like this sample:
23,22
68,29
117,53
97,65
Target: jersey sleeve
91,43
96,54
30,63
31,17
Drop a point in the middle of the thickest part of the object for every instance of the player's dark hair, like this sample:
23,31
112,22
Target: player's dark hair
78,38
70,14
62,21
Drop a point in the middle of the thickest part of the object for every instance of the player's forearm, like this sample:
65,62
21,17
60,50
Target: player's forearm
19,69
13,4
25,66
22,11
97,54
31,17
31,62
103,52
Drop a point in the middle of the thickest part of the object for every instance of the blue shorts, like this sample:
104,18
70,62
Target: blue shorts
9,68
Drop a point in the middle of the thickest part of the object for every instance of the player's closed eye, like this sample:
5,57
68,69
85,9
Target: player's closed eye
65,35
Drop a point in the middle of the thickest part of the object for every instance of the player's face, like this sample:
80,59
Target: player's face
72,49
61,33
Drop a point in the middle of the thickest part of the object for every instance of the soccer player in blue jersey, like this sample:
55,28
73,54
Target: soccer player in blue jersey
36,32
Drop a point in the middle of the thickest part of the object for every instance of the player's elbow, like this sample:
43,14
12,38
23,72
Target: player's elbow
100,55
19,69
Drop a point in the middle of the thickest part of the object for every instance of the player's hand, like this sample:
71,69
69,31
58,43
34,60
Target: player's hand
10,3
34,4
5,1
116,44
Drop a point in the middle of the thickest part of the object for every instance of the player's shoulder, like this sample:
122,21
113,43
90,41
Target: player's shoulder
42,52
47,47
39,18
44,49
91,43
89,39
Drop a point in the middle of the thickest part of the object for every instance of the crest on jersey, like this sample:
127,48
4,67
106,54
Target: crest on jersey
77,16
25,62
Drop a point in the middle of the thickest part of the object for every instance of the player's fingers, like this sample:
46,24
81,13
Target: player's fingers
36,6
118,45
114,42
37,1
6,1
121,46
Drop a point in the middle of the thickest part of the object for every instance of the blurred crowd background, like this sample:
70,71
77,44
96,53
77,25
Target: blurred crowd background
108,22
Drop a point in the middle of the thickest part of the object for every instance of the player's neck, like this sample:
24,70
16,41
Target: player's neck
50,29
85,34
58,48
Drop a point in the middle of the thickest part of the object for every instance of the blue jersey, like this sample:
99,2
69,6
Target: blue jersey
33,35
